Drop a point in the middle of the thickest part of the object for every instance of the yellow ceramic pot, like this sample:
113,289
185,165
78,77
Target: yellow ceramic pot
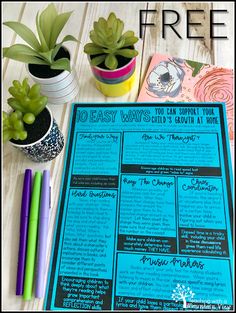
115,83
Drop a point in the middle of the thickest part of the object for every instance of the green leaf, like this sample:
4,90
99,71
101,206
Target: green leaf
119,29
108,51
58,46
15,135
127,34
41,104
18,125
47,56
13,117
15,92
95,39
23,135
19,49
69,38
111,62
17,84
130,41
14,104
4,115
24,54
120,44
196,67
91,49
29,59
19,114
128,53
55,50
34,91
111,19
44,46
111,41
61,64
59,23
25,85
98,60
46,21
4,52
25,33
13,126
102,23
99,31
6,136
114,28
29,118
32,102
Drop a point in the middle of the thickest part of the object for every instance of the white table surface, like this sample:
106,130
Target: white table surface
218,52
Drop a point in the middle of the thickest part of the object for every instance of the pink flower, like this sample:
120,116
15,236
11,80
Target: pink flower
217,86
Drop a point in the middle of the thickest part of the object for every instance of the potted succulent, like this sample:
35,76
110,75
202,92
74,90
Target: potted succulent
47,61
112,56
30,127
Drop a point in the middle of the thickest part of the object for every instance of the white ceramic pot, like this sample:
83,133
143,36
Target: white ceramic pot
59,89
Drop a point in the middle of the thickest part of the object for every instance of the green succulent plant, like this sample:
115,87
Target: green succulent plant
27,100
13,126
43,51
109,42
27,103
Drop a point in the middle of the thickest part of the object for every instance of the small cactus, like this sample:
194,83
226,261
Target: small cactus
27,100
13,126
109,42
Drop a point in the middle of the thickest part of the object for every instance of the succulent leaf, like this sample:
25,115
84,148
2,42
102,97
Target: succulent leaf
98,60
128,53
14,104
129,41
29,118
34,91
120,44
98,30
46,21
47,56
119,29
26,99
102,23
19,49
108,40
21,55
44,46
111,61
95,39
41,50
23,135
59,45
25,33
59,24
25,85
91,49
111,19
127,34
61,64
13,126
114,28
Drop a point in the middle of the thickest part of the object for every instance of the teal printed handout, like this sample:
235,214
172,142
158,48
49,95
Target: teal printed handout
145,216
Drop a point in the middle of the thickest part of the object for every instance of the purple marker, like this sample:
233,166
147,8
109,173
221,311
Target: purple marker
25,205
42,234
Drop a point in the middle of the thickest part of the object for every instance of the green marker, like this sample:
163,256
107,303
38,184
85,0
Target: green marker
32,237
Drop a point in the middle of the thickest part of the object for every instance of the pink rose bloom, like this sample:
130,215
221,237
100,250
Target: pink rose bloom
217,86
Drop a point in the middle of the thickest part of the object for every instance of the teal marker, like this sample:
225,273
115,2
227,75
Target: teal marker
32,237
